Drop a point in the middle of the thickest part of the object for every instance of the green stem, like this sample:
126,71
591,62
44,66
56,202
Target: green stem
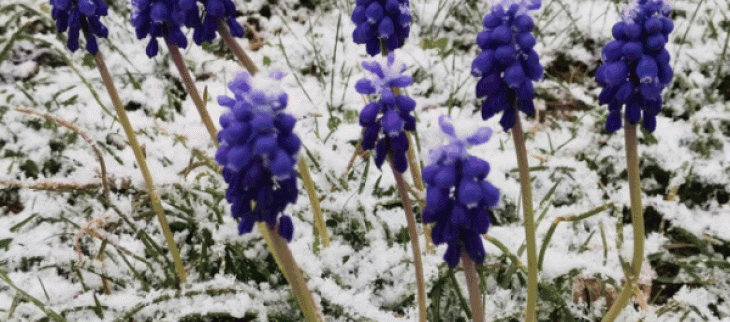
314,201
151,190
411,219
530,310
637,217
288,265
472,283
246,61
192,90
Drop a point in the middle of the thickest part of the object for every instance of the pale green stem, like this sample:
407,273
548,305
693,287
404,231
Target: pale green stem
192,90
530,310
472,284
132,137
637,217
247,63
314,201
288,265
411,219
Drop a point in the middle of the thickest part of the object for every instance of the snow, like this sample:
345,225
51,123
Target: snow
367,280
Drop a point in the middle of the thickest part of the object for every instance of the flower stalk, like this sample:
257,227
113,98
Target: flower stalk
151,190
415,168
236,49
518,135
288,265
417,261
637,217
192,90
472,284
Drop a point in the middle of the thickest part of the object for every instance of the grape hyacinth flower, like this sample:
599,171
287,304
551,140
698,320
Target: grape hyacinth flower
258,152
389,115
458,195
376,20
635,66
508,64
215,11
80,16
158,18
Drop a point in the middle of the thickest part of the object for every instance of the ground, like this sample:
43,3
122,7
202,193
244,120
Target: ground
59,236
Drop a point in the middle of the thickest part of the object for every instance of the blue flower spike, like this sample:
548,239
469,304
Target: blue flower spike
508,64
258,152
386,118
80,16
458,195
388,21
635,66
204,19
159,18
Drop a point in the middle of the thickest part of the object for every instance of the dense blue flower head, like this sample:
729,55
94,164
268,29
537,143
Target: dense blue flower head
213,12
258,152
80,16
386,20
458,195
635,66
508,64
159,18
386,118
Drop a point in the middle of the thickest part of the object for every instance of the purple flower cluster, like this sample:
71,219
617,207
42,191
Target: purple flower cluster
508,64
635,66
158,18
389,115
387,20
258,152
215,11
80,16
458,195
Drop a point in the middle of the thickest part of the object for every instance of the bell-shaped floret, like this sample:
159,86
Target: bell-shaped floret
264,144
656,42
524,23
369,113
474,168
286,228
526,40
445,177
474,247
612,51
482,65
632,50
459,216
505,54
502,35
647,69
633,110
470,193
514,75
490,194
453,254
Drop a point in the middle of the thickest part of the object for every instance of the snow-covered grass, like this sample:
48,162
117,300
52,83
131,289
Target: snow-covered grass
57,241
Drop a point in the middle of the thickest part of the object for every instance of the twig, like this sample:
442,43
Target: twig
51,185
